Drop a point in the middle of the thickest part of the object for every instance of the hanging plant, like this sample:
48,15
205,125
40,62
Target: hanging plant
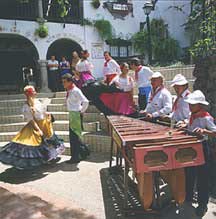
42,31
95,4
104,28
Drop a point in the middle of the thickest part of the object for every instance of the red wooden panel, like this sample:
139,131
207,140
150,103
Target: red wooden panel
186,155
152,159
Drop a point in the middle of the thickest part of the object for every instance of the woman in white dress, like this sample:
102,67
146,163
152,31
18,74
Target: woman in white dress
36,143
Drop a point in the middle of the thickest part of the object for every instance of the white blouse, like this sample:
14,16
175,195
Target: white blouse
84,66
125,84
39,114
112,67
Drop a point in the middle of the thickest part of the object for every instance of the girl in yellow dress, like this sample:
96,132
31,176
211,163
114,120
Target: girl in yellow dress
36,143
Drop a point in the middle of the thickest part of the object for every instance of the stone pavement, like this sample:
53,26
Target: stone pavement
63,191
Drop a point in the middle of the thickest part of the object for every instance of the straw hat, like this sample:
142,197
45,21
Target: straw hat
157,74
196,97
179,79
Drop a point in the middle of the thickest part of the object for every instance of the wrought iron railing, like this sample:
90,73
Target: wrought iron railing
28,10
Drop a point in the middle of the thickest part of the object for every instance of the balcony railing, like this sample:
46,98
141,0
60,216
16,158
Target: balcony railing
28,10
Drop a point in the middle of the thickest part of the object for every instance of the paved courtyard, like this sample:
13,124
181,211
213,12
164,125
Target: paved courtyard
86,191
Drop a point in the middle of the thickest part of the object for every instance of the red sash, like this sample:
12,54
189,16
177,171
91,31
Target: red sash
153,94
71,87
136,72
106,62
174,108
199,114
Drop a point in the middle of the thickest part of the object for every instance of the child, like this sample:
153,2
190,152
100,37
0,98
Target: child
203,125
77,103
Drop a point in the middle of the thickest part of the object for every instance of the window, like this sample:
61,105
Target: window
123,51
114,51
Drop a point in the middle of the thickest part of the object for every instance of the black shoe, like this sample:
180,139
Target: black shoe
201,210
72,161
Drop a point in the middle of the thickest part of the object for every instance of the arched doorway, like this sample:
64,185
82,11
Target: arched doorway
16,52
63,47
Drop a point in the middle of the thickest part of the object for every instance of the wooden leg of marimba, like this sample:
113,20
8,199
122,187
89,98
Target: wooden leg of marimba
176,181
145,188
111,153
126,170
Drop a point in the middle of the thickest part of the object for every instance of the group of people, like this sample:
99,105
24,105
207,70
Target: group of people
37,144
56,69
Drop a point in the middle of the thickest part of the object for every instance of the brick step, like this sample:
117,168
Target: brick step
60,94
19,102
63,108
88,117
16,110
22,96
98,141
11,119
58,126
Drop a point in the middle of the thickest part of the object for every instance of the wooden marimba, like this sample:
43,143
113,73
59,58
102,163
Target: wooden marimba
148,147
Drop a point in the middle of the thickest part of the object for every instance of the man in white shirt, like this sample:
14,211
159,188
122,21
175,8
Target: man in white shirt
180,114
111,68
53,65
77,104
160,99
142,78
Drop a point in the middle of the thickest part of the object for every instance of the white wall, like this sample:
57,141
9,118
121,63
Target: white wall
88,37
131,25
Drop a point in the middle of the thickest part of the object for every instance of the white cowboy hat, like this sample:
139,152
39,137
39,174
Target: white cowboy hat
179,79
157,74
196,97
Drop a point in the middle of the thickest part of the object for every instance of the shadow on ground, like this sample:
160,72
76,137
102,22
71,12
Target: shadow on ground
113,196
16,176
25,206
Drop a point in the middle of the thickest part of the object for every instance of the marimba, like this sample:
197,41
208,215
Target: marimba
148,147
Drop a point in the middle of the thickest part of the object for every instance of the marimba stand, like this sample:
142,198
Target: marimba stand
127,133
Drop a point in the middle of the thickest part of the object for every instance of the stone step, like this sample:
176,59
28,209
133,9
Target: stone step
22,96
98,141
63,108
58,126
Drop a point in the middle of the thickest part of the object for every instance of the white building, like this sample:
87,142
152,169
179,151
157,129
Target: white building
19,46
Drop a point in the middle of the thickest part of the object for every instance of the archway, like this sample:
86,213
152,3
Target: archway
16,52
63,47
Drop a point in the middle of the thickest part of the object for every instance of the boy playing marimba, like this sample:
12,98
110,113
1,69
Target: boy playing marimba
201,123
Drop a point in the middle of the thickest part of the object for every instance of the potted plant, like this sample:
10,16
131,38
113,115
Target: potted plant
42,31
95,3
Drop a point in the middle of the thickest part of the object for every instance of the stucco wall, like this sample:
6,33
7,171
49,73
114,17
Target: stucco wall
88,37
131,24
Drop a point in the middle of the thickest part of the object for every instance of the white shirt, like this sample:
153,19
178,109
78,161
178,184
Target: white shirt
84,65
144,76
125,84
204,123
161,104
182,112
76,101
111,68
39,108
55,62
